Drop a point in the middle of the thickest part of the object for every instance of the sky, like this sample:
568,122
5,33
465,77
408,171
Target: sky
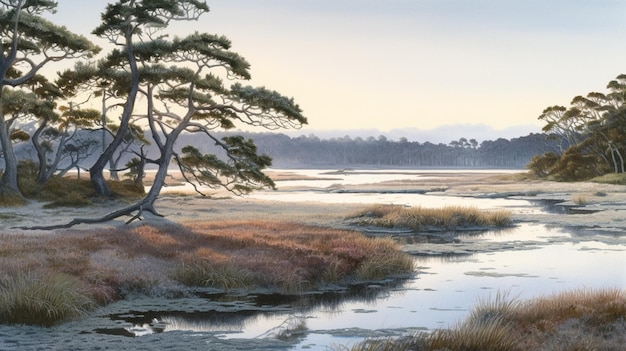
411,66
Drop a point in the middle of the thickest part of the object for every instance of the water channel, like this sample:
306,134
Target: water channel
529,260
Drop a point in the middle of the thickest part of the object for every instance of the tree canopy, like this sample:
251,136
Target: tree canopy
153,86
594,128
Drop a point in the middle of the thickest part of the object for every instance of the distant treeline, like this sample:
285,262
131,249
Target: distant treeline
380,152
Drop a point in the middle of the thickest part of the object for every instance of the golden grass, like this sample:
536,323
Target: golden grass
416,218
35,298
580,200
280,256
568,321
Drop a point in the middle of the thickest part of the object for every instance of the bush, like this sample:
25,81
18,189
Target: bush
541,166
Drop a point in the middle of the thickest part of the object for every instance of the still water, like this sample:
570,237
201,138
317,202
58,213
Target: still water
533,260
529,260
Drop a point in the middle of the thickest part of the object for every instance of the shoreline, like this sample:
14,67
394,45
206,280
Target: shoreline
601,206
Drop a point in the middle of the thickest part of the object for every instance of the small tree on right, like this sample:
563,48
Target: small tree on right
593,129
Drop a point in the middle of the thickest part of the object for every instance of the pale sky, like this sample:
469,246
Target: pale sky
421,64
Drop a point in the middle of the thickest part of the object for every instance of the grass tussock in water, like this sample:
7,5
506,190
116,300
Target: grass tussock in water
417,218
569,321
110,264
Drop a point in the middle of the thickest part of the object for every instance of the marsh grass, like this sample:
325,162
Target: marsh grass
611,178
569,321
580,200
66,191
34,298
143,259
212,275
417,218
9,199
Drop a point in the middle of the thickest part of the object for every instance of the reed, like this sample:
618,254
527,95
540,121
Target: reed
417,218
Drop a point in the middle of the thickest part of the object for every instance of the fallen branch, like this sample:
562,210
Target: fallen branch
126,211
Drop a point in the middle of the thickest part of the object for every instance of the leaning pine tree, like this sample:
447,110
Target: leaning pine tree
191,84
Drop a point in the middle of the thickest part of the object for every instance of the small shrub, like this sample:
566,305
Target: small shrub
543,165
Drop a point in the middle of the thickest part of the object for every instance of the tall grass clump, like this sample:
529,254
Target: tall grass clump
417,218
385,259
598,307
213,275
568,321
42,299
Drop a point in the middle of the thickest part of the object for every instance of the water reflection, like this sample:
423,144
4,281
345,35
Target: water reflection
246,316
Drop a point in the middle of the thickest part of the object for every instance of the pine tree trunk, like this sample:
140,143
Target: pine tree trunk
8,182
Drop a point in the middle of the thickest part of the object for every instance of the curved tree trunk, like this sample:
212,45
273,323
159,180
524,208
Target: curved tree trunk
41,153
8,182
96,172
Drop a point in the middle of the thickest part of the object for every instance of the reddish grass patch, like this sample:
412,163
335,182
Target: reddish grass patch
267,254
